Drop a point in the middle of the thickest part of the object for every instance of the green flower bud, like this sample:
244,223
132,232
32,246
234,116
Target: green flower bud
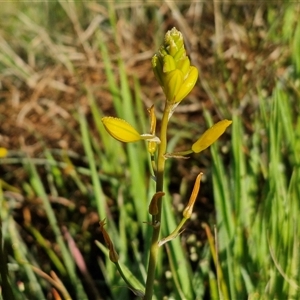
172,69
173,41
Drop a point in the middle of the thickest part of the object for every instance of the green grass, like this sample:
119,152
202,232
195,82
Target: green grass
256,219
52,200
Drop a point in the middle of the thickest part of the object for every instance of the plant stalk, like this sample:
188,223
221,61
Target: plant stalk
7,292
156,219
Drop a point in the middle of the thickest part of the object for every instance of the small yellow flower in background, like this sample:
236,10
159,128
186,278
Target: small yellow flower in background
172,69
124,132
210,136
3,152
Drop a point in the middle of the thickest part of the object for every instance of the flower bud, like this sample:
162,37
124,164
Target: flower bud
172,69
184,66
120,130
169,64
189,208
187,84
124,132
210,136
173,83
157,66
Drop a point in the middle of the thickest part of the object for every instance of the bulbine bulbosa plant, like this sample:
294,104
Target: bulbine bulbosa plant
177,77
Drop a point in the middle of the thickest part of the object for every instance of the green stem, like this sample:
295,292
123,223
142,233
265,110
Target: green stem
7,292
174,234
156,220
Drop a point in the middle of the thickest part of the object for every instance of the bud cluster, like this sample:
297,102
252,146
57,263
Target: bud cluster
172,68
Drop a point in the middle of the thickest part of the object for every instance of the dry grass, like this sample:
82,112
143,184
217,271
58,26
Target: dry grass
42,85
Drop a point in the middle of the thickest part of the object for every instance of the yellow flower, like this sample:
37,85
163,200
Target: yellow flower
124,132
3,152
210,136
172,68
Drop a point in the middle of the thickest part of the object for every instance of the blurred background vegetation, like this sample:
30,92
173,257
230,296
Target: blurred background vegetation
64,65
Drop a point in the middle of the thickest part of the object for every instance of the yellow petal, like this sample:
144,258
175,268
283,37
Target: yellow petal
121,130
210,136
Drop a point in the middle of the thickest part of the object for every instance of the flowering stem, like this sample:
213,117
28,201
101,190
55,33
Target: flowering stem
6,288
156,219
